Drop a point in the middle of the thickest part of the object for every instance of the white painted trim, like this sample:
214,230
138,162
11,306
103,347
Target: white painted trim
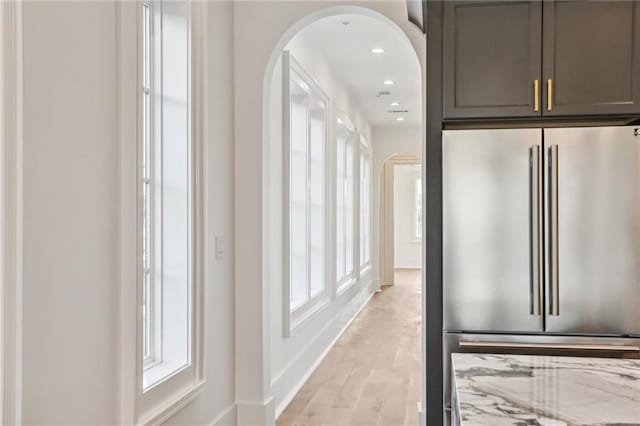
164,411
298,320
293,319
129,361
315,364
347,281
12,225
366,269
200,88
343,287
386,231
364,149
228,417
256,413
127,30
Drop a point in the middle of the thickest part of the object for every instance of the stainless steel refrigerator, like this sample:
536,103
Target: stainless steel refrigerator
541,241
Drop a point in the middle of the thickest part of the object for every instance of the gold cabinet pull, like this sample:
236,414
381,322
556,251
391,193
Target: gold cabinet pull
549,95
536,95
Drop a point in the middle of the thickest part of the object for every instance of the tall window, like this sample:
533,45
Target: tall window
345,199
365,203
306,141
166,188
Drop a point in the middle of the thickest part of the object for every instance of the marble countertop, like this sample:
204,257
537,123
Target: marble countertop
545,390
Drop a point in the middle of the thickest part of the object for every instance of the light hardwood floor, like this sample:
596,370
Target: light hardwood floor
372,375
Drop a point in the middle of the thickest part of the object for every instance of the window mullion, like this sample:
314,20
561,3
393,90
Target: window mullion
147,277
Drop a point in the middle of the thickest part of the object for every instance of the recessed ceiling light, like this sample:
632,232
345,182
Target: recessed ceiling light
377,50
400,119
395,103
388,82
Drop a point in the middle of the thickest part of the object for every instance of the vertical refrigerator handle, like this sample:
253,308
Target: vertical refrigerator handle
535,290
554,284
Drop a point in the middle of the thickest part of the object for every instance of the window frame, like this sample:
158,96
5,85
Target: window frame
293,317
175,391
159,358
365,206
152,346
11,95
348,279
418,197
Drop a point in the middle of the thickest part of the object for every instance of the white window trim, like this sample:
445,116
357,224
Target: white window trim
349,280
165,399
418,208
365,148
293,319
151,360
11,212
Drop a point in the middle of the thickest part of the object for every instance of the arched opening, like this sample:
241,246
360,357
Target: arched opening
309,75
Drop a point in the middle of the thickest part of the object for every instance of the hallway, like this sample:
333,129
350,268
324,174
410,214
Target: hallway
372,375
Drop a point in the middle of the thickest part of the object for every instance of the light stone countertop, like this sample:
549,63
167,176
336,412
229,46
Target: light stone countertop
544,390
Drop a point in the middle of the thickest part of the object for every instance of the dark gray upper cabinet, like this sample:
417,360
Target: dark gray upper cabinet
583,56
492,54
590,57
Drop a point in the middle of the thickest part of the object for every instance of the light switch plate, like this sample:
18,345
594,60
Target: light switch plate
219,248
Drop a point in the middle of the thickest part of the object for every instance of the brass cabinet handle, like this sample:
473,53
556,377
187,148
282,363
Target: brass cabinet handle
536,95
549,95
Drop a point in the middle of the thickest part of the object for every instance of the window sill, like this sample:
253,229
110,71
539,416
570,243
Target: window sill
299,318
365,269
342,288
164,411
160,372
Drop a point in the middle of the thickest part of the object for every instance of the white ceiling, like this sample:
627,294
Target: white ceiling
347,49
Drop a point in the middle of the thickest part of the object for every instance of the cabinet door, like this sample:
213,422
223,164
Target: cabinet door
491,58
590,57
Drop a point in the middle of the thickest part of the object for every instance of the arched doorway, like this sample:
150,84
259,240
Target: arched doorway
258,194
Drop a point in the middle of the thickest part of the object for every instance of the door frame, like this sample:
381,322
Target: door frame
387,233
11,214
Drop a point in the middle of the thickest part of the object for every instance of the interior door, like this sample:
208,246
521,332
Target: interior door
592,222
492,226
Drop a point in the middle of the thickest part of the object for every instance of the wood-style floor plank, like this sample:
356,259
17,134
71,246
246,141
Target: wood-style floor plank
372,375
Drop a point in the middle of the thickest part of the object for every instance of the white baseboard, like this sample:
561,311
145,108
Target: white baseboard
255,414
229,417
315,363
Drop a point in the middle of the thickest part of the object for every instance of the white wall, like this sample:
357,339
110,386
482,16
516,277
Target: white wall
70,213
294,357
387,142
407,246
71,188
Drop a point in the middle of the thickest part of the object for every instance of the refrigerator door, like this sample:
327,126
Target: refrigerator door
592,225
492,220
